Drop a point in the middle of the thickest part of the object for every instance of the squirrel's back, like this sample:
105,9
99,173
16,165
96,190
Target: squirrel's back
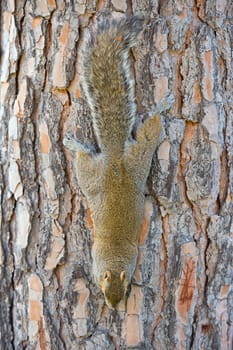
114,183
107,80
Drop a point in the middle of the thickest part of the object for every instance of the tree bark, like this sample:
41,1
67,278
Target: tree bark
182,295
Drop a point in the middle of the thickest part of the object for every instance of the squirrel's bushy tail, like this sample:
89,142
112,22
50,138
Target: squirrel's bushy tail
107,80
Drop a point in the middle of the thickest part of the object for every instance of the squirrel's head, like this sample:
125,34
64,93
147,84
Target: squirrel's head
114,286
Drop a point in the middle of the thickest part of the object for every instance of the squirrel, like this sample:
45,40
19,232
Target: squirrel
114,178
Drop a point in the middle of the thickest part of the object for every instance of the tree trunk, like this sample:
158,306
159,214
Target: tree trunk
183,295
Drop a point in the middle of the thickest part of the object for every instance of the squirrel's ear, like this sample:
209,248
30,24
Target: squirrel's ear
107,276
122,276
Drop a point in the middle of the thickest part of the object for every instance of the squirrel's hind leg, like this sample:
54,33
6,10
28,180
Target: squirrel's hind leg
89,166
164,105
85,155
70,142
139,154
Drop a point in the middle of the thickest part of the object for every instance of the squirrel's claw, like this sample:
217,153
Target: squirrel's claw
165,104
70,142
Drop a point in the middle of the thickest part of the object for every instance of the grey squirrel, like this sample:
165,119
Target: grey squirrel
114,180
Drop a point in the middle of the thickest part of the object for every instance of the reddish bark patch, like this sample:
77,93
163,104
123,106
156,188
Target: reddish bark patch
197,93
206,328
42,336
64,34
187,287
89,222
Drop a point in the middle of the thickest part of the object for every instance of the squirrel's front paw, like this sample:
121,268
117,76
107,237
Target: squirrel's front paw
167,101
70,142
165,104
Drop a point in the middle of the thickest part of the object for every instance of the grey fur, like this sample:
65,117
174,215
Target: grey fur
107,80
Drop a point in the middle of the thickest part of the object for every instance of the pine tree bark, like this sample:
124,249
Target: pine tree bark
183,295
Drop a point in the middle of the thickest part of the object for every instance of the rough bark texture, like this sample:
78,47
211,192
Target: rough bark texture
183,298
